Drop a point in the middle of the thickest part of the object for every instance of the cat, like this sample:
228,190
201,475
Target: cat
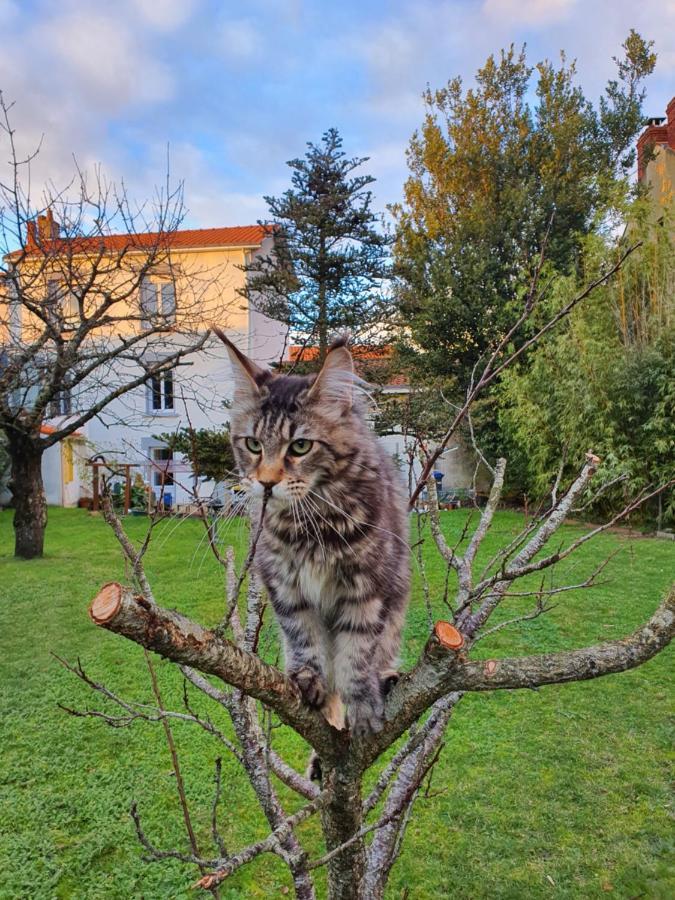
333,553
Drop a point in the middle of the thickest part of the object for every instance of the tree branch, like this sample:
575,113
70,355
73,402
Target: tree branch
179,639
440,671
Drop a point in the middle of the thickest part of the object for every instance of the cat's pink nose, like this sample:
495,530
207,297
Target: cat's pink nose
268,475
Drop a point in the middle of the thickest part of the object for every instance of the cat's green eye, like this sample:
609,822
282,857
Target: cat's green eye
300,447
253,445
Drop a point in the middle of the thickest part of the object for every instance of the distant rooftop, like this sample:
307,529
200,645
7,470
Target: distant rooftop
44,236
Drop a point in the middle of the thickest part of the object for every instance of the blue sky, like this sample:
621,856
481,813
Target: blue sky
236,89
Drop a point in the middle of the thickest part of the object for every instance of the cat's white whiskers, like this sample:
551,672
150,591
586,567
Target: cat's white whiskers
296,520
315,527
216,526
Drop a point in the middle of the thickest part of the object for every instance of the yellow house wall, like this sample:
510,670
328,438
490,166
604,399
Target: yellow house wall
660,176
207,283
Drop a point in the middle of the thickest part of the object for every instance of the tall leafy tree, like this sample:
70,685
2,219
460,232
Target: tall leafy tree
331,258
606,380
520,162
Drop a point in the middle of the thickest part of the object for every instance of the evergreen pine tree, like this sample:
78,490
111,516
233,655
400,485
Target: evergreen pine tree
328,271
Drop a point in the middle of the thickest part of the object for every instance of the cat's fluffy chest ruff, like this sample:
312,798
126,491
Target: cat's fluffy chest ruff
316,583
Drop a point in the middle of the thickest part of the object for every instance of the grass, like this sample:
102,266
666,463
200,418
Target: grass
558,793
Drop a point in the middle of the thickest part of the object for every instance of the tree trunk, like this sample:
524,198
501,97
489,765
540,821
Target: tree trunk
341,819
322,319
30,504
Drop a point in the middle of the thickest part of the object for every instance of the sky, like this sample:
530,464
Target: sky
234,90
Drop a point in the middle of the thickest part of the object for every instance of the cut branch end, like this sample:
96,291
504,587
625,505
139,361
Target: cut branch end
448,636
106,604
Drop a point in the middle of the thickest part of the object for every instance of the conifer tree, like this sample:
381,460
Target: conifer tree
330,263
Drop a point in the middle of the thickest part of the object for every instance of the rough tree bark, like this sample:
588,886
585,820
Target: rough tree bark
444,671
30,504
341,820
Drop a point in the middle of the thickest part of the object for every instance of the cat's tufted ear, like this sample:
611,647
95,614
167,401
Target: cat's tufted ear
335,381
248,377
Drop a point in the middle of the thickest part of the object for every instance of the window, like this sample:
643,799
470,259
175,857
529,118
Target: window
160,393
162,467
62,403
15,320
53,293
157,300
62,303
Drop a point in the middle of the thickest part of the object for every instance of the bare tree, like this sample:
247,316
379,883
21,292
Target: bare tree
364,833
83,319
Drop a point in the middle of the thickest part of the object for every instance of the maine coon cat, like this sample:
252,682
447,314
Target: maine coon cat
333,553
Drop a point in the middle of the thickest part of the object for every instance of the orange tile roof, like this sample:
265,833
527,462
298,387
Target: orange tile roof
362,354
358,351
189,238
50,429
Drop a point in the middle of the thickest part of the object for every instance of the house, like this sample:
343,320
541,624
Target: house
656,159
199,270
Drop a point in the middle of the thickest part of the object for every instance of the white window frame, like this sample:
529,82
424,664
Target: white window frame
166,383
161,480
157,301
62,304
62,403
161,474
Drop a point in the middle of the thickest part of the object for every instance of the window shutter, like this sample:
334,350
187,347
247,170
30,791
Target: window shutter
15,317
155,393
71,308
15,320
148,302
168,390
53,299
169,301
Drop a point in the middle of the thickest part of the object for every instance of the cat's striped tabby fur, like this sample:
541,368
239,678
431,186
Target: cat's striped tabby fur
333,553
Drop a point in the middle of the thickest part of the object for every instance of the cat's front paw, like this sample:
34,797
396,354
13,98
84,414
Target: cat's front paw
313,688
388,680
365,717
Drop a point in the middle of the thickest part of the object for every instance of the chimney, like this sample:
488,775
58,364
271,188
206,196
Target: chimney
31,235
48,228
670,113
658,131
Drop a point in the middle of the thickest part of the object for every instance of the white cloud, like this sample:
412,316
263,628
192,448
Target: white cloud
164,15
85,68
529,12
105,57
211,198
114,85
208,208
240,40
387,156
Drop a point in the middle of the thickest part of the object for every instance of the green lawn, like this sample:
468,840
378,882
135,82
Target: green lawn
560,793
